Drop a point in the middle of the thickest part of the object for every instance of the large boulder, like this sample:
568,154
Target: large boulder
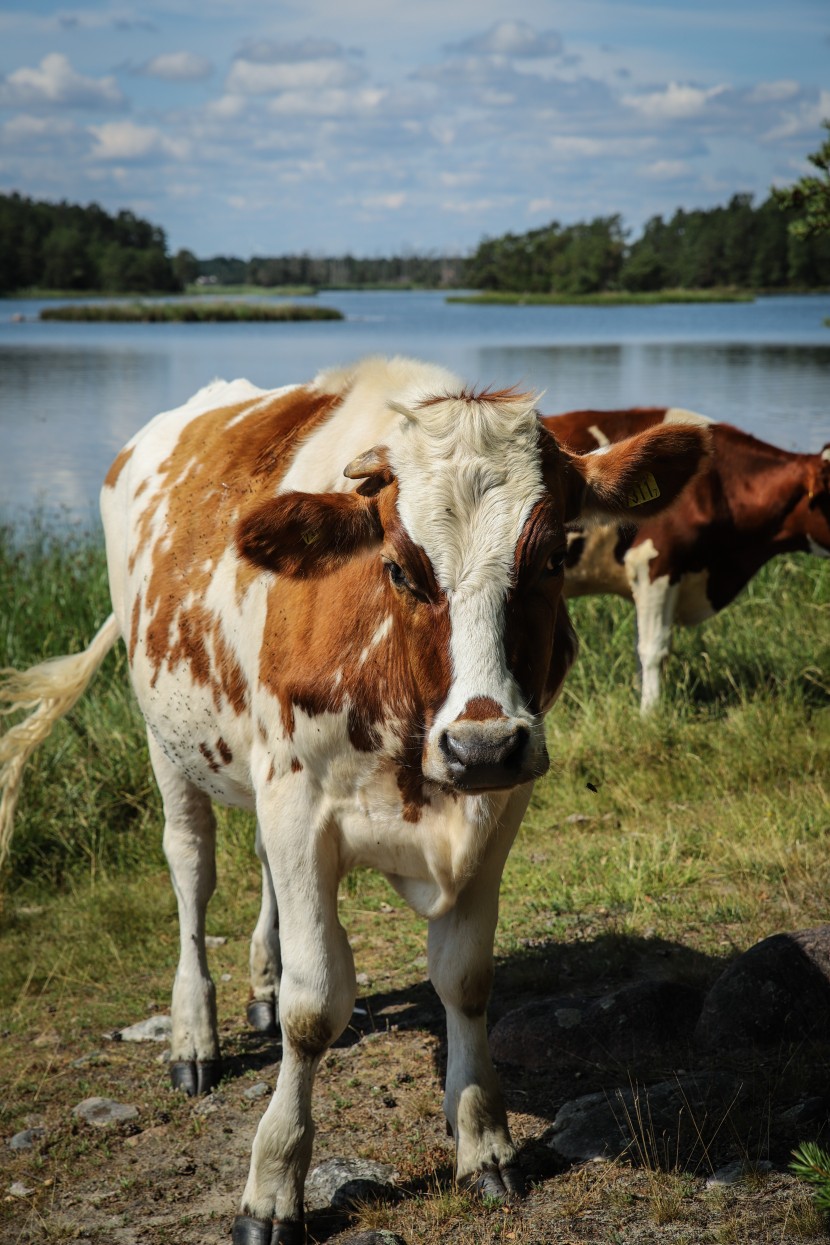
633,1020
778,990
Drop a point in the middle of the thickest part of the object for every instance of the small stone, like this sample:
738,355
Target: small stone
153,1029
19,1189
575,819
100,1112
256,1091
27,1139
341,1182
226,977
215,940
363,979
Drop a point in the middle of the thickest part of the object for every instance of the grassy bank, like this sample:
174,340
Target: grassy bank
187,313
617,298
218,290
703,829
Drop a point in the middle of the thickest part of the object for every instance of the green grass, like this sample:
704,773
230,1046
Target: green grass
606,298
260,291
197,312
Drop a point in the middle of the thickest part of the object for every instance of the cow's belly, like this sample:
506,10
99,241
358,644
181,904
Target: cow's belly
693,604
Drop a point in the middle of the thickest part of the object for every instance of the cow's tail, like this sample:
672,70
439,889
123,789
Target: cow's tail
48,691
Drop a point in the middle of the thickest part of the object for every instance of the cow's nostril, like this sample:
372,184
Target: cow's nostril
467,748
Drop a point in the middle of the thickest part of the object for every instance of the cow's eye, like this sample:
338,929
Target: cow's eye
397,575
555,563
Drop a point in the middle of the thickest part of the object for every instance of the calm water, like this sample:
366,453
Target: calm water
72,394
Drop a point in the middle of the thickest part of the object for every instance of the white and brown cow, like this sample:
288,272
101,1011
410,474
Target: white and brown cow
363,662
750,502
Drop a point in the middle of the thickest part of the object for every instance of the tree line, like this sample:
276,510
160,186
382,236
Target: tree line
63,246
738,246
68,247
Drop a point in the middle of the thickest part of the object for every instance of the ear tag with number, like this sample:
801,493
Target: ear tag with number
646,489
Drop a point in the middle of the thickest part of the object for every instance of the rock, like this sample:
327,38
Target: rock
215,940
623,1024
778,990
363,979
657,1123
28,1138
256,1091
735,1172
19,1189
153,1029
341,1182
100,1112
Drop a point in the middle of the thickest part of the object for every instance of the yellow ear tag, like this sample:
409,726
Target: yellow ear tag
644,490
311,537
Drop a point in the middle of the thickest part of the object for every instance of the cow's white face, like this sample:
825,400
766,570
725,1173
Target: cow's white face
469,475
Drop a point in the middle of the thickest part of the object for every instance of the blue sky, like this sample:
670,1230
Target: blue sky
376,126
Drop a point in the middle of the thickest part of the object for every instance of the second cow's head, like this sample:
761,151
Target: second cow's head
464,518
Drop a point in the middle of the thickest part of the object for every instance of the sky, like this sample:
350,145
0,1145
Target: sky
377,127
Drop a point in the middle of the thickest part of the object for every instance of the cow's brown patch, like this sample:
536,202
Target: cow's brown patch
213,472
296,765
481,709
119,463
135,619
224,751
209,757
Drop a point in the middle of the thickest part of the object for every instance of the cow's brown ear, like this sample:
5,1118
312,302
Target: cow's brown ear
638,477
308,534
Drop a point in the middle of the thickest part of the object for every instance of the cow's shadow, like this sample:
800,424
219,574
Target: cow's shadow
745,1119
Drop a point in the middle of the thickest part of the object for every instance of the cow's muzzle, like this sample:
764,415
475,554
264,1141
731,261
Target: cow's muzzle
491,755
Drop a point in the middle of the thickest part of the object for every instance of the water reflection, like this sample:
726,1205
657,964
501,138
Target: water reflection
778,392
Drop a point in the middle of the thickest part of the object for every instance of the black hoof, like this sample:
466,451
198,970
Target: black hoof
248,1231
262,1016
505,1184
196,1076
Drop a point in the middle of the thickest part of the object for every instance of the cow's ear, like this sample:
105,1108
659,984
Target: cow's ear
637,477
307,534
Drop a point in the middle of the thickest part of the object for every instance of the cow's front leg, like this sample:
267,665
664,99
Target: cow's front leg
190,847
317,992
266,961
461,969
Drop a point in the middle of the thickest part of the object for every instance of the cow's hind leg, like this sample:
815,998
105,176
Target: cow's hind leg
189,845
266,962
461,969
655,601
317,994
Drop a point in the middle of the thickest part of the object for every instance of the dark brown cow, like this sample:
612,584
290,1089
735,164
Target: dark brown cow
363,658
751,502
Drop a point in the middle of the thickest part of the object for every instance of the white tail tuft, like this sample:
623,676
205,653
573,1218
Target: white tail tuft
49,690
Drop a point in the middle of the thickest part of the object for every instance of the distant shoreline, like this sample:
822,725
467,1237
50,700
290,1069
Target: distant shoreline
605,298
198,312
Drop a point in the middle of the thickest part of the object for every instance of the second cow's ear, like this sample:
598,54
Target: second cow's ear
308,534
635,478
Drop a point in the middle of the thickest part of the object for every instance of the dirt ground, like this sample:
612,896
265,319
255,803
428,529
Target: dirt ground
173,1175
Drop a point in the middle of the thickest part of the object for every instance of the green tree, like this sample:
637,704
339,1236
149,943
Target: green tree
810,195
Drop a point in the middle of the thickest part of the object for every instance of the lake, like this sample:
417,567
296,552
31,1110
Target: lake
72,394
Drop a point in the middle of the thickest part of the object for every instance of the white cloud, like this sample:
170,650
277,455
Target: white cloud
511,38
773,92
806,118
177,67
328,103
124,140
391,202
676,102
666,170
256,78
29,134
55,84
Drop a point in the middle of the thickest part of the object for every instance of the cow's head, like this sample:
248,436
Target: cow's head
464,516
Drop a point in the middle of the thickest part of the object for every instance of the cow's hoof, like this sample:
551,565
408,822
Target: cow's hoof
248,1231
262,1016
195,1076
505,1184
